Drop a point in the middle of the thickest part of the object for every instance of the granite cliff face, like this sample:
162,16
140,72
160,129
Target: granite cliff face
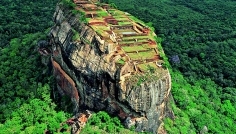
106,59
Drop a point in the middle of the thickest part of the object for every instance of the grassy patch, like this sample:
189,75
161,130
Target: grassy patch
126,42
120,61
102,13
88,19
76,35
125,23
133,48
142,55
147,67
121,18
137,20
134,56
100,27
116,13
99,32
135,37
142,40
148,54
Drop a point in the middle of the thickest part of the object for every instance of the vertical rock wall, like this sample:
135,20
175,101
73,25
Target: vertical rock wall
86,71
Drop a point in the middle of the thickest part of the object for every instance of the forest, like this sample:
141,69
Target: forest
198,37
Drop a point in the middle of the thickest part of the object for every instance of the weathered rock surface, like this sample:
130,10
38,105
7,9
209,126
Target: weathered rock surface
98,73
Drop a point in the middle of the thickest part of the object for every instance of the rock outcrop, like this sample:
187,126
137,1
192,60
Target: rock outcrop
106,59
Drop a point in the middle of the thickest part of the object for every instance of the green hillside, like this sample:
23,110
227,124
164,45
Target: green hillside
25,86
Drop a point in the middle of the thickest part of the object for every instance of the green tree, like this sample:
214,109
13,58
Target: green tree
36,116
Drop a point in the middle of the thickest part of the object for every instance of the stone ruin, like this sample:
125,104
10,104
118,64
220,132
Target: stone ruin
109,62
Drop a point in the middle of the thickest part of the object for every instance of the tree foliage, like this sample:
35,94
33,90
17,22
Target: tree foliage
19,17
35,116
197,106
101,123
20,72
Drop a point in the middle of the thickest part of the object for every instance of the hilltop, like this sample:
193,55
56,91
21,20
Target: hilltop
106,59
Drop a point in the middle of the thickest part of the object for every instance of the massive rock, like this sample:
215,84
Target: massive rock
106,59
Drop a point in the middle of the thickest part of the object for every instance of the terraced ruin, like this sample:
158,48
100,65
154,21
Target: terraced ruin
106,59
127,37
